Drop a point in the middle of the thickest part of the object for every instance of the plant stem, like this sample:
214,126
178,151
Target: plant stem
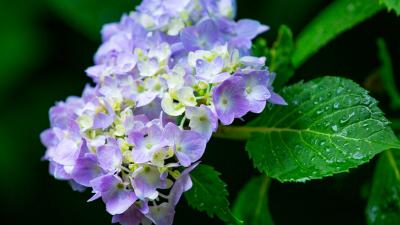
263,193
233,133
243,133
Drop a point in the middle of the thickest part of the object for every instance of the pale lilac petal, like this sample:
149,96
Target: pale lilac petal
98,72
125,63
110,156
96,196
151,110
66,152
118,200
48,138
116,44
253,62
241,43
277,99
162,214
86,169
202,36
192,147
172,133
102,121
220,77
105,183
202,120
208,70
250,28
76,186
58,171
109,30
146,181
132,216
260,93
182,184
146,98
140,153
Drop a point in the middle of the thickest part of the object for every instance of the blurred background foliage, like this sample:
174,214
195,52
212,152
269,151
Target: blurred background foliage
45,45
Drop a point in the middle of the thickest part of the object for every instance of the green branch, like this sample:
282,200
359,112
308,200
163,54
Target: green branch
233,133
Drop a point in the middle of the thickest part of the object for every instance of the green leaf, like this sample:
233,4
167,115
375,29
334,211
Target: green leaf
392,4
338,17
255,193
384,202
330,125
89,16
281,57
260,48
387,76
209,194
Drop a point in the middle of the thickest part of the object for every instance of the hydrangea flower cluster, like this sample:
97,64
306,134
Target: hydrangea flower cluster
164,76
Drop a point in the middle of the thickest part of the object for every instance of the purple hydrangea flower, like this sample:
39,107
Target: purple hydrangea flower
202,120
146,180
230,101
146,143
168,61
188,145
114,193
257,92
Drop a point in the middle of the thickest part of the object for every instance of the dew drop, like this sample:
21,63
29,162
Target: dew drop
313,159
366,100
335,128
339,90
336,105
358,155
302,180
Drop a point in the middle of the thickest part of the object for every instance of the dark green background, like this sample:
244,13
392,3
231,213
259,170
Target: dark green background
45,45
